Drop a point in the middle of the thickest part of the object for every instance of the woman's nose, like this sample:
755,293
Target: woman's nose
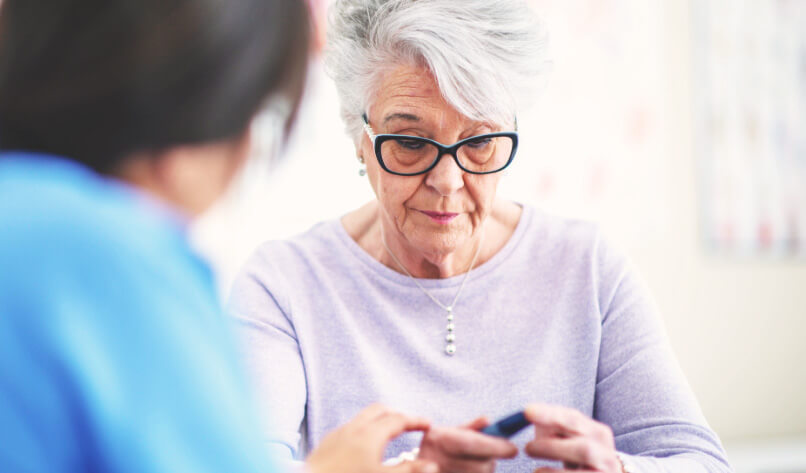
446,177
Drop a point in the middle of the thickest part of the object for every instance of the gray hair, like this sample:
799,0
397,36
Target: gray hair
488,56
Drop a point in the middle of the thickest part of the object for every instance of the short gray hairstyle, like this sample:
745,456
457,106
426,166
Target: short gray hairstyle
488,56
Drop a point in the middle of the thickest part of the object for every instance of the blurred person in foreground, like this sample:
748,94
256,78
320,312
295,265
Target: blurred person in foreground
119,121
440,298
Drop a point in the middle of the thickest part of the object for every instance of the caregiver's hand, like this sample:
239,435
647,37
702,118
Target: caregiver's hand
569,436
358,446
464,449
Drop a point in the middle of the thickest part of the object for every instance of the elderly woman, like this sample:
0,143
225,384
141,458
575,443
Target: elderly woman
442,300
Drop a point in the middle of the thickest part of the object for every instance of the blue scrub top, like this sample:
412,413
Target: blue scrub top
114,354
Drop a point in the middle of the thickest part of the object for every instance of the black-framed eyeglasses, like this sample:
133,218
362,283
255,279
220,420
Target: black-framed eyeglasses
407,155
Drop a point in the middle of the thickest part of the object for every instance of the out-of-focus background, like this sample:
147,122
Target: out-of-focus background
680,126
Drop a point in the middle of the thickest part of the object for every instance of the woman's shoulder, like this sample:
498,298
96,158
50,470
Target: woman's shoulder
61,211
322,243
332,242
81,237
292,266
568,241
551,230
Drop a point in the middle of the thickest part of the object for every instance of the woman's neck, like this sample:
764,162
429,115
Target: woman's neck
370,230
403,257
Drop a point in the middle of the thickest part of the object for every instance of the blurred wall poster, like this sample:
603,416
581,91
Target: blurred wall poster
749,86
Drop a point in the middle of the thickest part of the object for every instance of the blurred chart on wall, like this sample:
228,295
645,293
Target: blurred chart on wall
749,86
592,147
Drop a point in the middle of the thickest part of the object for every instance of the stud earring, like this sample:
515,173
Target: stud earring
362,169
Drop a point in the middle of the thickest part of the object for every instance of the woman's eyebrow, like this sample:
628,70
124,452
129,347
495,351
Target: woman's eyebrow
401,116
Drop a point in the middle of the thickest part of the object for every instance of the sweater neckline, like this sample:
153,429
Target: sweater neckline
480,271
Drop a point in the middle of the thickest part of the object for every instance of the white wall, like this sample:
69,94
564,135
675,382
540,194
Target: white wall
610,140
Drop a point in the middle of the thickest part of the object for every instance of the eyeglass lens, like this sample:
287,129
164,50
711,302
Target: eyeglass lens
410,155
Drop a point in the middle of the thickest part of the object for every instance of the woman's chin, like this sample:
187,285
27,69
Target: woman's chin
436,248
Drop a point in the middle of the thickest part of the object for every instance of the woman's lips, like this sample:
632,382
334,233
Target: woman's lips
440,217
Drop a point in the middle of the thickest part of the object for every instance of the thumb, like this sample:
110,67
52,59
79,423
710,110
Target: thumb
477,424
414,466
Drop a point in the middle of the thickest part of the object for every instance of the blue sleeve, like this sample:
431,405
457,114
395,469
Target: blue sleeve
119,361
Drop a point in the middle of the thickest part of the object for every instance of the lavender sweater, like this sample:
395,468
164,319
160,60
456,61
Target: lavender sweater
557,316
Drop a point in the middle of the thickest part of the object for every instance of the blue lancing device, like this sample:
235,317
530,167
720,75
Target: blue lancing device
508,426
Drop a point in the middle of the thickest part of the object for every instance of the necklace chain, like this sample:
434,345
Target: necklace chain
450,349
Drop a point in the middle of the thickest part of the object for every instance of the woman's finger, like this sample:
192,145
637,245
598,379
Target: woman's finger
575,450
477,424
463,442
562,420
466,465
392,424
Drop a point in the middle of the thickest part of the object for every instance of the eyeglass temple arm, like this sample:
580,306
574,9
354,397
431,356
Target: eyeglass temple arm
368,128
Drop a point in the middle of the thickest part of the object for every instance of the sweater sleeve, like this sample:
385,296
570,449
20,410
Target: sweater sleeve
641,392
271,355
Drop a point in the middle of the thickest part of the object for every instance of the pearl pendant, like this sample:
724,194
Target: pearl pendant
450,338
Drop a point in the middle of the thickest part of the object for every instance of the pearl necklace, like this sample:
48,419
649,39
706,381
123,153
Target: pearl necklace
450,337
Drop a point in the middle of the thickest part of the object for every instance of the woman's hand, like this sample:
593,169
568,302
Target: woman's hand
358,446
569,436
463,449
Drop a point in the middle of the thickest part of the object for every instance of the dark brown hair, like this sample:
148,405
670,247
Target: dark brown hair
97,80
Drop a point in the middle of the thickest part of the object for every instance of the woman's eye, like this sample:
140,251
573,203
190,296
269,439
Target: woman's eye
479,142
410,144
